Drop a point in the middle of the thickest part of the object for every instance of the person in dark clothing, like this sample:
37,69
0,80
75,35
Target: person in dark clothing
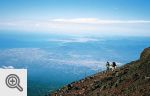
114,65
107,65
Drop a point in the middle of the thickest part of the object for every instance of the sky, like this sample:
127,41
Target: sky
105,17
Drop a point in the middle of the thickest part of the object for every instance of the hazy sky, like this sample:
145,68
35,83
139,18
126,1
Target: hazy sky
118,17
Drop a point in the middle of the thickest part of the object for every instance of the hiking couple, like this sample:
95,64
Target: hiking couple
111,66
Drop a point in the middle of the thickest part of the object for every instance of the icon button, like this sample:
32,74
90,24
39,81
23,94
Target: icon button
13,81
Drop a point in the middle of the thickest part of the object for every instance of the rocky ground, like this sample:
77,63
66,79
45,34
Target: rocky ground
132,79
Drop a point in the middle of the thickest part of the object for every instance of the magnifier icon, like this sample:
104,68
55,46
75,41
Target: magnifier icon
13,81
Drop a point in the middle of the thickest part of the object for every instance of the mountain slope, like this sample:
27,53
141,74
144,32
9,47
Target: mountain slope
132,79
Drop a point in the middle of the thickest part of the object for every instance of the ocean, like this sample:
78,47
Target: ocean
54,60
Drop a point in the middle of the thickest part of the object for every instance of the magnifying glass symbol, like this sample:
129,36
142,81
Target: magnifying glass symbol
13,81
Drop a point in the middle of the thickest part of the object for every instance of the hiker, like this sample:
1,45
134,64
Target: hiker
114,66
107,65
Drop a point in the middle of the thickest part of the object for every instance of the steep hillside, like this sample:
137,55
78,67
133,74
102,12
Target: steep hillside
132,79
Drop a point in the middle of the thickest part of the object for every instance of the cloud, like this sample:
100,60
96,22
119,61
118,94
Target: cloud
85,26
74,40
15,56
35,56
54,22
89,63
77,20
7,67
98,21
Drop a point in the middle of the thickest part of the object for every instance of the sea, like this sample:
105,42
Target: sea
54,60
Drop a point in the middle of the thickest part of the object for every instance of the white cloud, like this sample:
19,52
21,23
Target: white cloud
33,56
77,20
14,56
7,67
74,40
98,21
81,26
89,63
54,22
